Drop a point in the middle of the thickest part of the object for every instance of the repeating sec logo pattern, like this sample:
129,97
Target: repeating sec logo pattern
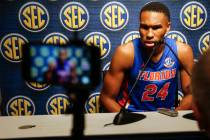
100,40
92,105
114,16
20,106
37,86
57,104
33,16
74,16
193,15
204,42
11,47
177,36
130,36
56,38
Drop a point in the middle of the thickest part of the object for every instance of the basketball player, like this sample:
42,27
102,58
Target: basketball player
156,86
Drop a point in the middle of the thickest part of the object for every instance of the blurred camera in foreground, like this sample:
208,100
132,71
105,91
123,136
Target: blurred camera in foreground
74,65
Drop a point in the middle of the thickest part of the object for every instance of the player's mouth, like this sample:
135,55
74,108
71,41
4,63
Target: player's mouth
149,43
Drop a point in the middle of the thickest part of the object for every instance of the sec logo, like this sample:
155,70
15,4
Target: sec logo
114,16
203,43
130,36
37,86
176,35
33,16
56,38
20,106
57,104
193,15
100,40
169,62
11,47
92,105
74,16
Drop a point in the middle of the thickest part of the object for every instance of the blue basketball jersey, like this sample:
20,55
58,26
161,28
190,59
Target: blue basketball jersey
156,86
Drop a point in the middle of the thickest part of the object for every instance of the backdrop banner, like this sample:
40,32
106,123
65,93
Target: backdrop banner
107,24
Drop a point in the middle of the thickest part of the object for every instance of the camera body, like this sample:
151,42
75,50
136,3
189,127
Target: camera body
74,65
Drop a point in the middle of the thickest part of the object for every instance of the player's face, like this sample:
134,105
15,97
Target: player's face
153,27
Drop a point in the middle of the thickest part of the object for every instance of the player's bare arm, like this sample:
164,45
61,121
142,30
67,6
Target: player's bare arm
121,60
185,54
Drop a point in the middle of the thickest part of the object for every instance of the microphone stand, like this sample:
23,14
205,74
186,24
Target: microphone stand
125,117
79,95
78,114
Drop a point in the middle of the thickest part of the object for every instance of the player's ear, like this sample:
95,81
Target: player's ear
168,27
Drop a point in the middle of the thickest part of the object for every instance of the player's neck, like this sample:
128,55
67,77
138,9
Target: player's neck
158,52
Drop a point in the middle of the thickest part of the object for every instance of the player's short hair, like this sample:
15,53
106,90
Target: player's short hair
156,7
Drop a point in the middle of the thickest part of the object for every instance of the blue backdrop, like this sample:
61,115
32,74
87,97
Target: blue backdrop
105,23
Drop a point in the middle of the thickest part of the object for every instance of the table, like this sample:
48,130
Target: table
61,125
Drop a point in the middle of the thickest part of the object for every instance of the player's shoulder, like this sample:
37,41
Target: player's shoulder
184,50
124,55
126,49
183,47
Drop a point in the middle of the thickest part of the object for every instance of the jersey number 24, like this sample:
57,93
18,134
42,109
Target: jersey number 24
150,92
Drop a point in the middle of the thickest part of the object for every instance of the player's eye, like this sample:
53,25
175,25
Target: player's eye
156,27
143,26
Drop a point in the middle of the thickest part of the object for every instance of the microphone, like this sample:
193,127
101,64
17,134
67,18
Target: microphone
125,117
